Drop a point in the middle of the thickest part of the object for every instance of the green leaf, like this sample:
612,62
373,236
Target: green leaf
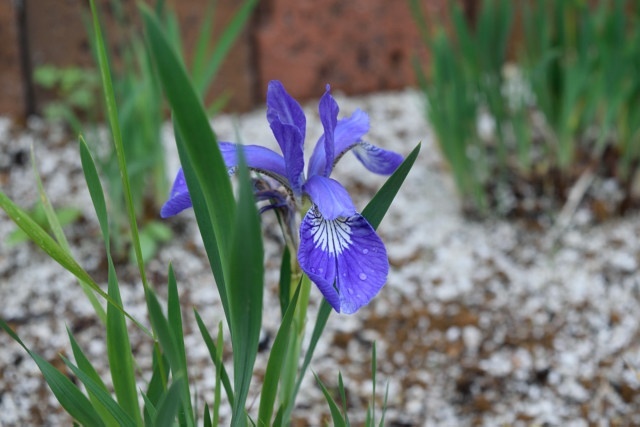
47,243
275,364
56,226
69,395
174,317
338,419
196,136
112,114
377,208
215,353
95,389
285,280
246,285
87,368
119,351
159,377
169,405
343,397
168,342
321,321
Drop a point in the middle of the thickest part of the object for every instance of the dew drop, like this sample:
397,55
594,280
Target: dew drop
320,270
313,270
362,276
365,251
350,291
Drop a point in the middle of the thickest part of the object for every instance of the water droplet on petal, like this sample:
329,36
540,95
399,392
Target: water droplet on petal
362,276
365,251
320,270
350,291
313,270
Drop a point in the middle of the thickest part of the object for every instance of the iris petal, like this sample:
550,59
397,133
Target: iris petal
260,159
179,198
376,159
344,257
329,196
328,110
288,125
347,133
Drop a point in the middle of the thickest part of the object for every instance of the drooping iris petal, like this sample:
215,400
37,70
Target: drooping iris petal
329,196
376,159
260,159
179,199
344,257
348,132
328,110
288,124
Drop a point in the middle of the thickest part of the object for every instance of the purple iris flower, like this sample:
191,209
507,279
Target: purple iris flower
337,248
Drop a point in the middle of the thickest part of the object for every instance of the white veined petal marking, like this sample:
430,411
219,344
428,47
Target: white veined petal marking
331,236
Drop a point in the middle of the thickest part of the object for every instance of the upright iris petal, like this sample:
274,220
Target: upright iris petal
339,250
328,110
288,125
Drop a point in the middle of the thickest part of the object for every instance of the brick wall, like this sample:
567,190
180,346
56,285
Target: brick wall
358,46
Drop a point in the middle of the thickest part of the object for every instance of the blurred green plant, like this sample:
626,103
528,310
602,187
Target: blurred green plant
567,99
75,90
65,215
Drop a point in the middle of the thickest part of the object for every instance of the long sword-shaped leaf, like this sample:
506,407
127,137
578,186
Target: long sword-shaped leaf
377,208
55,251
336,416
174,317
246,285
115,411
215,353
55,226
68,394
85,366
198,138
112,113
274,365
119,353
171,349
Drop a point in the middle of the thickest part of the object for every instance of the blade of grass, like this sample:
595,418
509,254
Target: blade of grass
215,353
169,404
116,413
55,226
285,280
336,416
119,353
174,318
168,342
68,394
274,364
246,281
197,146
377,208
112,114
343,397
85,366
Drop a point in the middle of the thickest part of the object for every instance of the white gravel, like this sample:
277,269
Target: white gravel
479,324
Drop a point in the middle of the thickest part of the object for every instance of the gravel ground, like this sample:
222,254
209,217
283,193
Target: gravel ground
481,323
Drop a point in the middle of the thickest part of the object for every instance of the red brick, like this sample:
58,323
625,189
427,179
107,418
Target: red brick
357,46
59,37
12,96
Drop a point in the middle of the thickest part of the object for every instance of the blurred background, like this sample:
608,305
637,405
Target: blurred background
359,46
